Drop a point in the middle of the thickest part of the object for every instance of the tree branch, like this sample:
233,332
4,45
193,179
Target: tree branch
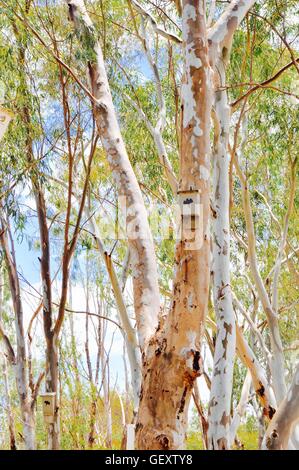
223,30
158,29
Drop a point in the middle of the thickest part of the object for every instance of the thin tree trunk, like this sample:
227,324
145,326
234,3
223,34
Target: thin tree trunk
9,413
156,130
278,262
128,331
203,420
106,390
51,350
261,421
93,391
240,410
21,369
258,376
11,357
259,379
222,379
51,347
277,358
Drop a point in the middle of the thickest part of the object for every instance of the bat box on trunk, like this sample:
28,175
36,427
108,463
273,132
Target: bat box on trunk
5,118
48,406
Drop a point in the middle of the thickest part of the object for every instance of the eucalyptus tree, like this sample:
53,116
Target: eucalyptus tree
266,163
18,358
171,360
37,146
203,76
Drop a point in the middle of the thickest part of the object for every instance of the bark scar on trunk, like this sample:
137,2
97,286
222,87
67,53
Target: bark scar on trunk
197,362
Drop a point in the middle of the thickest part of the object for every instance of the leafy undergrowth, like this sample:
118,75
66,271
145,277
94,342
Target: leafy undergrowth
248,439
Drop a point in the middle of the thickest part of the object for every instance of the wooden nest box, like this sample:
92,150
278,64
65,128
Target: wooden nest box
5,118
191,219
189,202
48,399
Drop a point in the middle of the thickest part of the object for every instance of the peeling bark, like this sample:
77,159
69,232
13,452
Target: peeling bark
220,41
257,372
173,360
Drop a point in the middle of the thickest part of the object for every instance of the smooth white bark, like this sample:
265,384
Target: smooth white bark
222,379
143,259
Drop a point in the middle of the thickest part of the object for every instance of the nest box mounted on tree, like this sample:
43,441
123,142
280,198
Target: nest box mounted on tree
5,118
191,217
48,406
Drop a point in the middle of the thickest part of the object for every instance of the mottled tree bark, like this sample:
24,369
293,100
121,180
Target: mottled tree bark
258,375
173,360
220,41
222,380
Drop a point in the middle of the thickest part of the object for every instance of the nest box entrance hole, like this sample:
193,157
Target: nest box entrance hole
48,399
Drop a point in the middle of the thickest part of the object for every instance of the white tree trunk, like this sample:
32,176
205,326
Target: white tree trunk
222,380
143,259
220,40
106,388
